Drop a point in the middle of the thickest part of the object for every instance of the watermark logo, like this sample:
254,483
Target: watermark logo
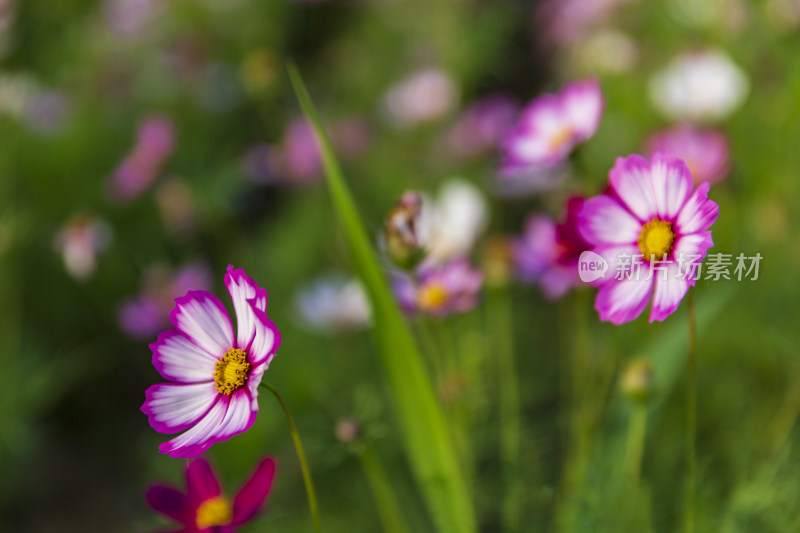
591,266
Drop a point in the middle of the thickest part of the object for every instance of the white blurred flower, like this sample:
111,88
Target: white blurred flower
699,86
332,303
79,242
424,96
453,222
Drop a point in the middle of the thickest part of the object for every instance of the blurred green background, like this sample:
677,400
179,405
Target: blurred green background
77,78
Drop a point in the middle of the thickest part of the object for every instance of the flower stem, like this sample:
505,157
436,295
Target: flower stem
389,508
691,419
301,456
637,430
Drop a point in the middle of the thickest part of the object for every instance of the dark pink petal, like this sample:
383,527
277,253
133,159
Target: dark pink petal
202,318
201,482
699,213
631,182
238,418
668,293
178,359
242,288
170,502
620,301
672,184
604,221
253,494
200,436
173,407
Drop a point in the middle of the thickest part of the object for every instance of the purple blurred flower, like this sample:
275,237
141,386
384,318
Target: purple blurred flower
547,253
704,151
79,241
565,22
148,313
440,290
424,96
129,18
155,142
301,158
482,126
203,508
552,126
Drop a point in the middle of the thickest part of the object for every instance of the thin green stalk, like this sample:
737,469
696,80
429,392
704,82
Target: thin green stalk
301,456
500,314
389,509
691,420
637,431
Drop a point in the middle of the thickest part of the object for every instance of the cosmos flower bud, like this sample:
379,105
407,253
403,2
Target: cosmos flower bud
636,381
402,232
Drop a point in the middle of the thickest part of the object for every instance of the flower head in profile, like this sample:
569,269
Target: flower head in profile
213,371
404,231
650,212
551,126
440,290
704,151
203,508
547,252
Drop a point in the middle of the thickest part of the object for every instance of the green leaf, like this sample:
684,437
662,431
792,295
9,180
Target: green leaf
428,443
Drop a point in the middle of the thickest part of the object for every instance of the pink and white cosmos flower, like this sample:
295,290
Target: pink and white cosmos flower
649,211
552,126
213,371
705,151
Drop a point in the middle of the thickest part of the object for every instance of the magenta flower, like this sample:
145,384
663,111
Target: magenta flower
482,126
203,508
649,212
213,372
156,139
452,287
547,253
552,126
704,151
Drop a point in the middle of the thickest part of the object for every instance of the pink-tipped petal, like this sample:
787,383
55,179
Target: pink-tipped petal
668,293
620,301
170,502
202,318
672,184
173,407
631,181
239,417
242,288
199,437
690,250
254,493
604,221
583,103
698,213
201,482
178,359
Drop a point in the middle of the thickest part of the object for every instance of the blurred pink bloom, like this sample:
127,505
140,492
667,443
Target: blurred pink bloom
566,22
148,313
552,126
482,126
444,289
547,253
129,18
704,151
155,142
302,160
649,214
213,371
79,241
203,508
424,96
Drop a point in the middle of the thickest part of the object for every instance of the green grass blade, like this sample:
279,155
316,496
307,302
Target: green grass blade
428,444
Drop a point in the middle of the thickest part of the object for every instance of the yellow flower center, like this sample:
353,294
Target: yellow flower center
214,512
432,296
560,138
230,372
656,239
